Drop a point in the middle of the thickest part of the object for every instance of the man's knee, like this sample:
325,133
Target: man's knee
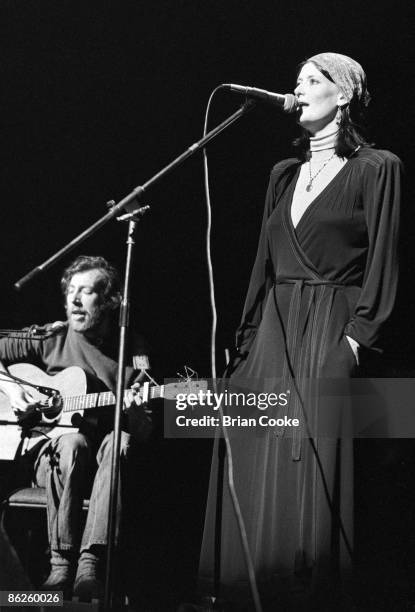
105,450
73,447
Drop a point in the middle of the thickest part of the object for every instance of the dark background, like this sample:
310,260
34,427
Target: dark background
96,96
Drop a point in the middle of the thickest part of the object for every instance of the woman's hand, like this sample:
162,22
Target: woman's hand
354,345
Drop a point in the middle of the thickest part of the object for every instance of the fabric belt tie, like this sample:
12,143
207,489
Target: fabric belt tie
282,280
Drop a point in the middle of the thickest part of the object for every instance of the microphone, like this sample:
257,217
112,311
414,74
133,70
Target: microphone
42,332
288,102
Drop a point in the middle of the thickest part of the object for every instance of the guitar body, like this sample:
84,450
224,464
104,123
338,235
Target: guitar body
71,381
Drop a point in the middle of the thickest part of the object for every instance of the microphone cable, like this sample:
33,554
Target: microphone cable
230,471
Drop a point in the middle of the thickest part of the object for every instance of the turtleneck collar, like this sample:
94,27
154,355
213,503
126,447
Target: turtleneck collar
323,143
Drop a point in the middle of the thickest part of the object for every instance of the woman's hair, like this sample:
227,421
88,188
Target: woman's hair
352,130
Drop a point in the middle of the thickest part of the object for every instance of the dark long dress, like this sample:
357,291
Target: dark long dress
334,274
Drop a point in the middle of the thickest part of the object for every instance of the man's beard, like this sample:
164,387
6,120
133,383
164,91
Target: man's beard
90,321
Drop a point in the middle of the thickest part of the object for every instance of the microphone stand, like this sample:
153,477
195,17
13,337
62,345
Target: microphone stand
127,205
132,219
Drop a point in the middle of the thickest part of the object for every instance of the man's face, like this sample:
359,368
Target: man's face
84,305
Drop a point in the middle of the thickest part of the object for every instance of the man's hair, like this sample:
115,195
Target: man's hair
108,285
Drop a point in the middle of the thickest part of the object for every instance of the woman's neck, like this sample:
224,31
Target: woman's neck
323,143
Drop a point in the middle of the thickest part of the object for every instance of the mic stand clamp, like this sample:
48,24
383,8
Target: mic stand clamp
135,215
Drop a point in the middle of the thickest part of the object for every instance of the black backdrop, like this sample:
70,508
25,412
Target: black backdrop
97,96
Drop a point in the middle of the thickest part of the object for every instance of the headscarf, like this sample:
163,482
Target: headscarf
346,73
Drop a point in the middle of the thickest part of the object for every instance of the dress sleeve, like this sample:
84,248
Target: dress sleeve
382,195
260,282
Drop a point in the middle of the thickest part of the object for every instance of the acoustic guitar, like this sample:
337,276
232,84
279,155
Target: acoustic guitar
53,418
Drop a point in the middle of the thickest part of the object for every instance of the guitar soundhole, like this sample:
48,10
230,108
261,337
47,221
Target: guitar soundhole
76,419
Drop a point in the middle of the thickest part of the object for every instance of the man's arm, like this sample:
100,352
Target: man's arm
20,399
15,350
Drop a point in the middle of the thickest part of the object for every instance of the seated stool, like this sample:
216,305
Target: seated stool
29,497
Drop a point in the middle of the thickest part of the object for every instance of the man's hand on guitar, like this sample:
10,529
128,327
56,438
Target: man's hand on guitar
133,397
139,413
22,402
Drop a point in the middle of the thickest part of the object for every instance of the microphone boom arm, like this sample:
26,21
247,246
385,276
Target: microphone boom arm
129,202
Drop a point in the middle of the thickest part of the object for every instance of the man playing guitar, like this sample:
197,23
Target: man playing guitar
87,339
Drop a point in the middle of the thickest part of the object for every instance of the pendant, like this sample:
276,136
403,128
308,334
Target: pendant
309,187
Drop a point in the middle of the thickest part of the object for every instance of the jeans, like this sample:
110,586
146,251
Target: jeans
64,467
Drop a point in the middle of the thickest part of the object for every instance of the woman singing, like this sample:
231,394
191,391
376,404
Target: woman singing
323,283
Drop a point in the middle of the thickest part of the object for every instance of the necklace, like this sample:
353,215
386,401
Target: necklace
312,178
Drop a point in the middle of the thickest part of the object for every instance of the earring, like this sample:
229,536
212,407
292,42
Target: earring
339,115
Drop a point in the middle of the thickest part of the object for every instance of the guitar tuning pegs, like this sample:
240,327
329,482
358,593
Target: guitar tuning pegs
189,374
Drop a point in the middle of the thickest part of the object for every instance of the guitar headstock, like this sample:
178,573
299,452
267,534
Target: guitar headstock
172,390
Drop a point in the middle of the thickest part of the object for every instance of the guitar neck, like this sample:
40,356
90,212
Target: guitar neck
105,398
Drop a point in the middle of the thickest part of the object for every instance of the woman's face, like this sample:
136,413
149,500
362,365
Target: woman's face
318,99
